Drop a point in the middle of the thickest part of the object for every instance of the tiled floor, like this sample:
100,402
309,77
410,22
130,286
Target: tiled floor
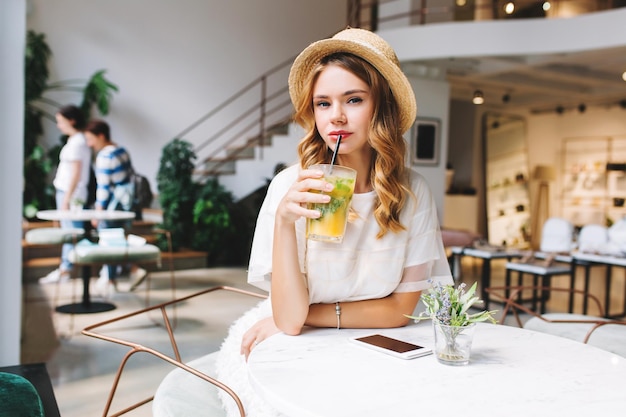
82,368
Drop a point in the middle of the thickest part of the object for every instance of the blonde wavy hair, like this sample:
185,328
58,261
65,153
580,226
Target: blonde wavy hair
388,174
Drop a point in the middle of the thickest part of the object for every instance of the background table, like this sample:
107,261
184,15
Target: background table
85,215
512,372
609,262
86,306
487,256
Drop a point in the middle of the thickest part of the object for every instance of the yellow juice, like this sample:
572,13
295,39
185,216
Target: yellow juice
331,224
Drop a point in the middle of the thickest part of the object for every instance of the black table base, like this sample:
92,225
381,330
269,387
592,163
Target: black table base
83,308
86,306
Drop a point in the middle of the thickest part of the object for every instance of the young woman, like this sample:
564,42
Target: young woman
71,179
350,86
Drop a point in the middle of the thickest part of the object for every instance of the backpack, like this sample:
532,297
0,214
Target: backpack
139,192
142,197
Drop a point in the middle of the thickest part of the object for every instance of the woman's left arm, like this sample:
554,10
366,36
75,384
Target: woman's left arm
383,312
378,313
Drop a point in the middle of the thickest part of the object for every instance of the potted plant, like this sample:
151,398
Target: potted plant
177,191
200,216
448,308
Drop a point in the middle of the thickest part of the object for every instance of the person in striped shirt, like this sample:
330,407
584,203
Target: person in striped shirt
114,191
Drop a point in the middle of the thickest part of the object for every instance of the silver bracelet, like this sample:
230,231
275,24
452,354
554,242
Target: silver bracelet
338,313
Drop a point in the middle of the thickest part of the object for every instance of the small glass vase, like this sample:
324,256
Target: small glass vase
453,343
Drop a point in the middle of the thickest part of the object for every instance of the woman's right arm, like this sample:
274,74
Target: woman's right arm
290,297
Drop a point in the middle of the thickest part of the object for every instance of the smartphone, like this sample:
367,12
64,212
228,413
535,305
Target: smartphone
391,346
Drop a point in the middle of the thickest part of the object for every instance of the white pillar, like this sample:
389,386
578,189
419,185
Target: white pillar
12,42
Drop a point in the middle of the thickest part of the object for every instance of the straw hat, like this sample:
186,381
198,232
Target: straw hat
373,49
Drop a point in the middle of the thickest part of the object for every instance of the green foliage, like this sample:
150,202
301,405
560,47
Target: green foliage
177,191
213,222
203,216
450,306
37,54
96,92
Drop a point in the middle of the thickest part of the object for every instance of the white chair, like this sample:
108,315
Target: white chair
593,238
200,385
50,236
553,258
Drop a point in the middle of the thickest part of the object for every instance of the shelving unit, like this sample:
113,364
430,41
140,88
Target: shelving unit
591,193
508,206
506,176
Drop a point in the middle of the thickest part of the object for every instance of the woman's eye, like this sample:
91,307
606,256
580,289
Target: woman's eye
322,104
355,100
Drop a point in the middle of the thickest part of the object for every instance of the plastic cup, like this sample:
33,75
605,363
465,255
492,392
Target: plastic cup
331,225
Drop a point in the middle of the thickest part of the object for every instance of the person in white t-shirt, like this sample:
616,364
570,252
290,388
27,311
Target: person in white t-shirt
71,180
350,85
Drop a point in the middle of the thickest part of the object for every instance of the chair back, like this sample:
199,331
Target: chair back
593,238
617,235
557,235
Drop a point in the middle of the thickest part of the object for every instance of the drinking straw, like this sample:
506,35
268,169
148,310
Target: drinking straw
335,152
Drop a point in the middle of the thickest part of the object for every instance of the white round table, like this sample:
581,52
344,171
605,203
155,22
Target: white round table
86,306
512,372
85,215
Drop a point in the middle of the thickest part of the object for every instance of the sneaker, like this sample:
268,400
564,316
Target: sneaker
104,287
55,276
136,277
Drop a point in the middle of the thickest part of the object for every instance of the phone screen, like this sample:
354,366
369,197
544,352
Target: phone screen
389,343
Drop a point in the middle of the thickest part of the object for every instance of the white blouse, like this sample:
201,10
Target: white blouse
362,266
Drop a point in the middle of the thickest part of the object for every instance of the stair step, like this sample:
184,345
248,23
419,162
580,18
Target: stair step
241,152
217,167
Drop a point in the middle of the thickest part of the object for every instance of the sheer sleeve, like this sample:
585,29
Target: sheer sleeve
426,260
260,264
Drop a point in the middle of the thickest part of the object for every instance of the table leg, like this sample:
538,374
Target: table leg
572,285
486,281
86,306
607,295
456,267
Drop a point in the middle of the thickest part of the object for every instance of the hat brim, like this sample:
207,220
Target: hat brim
399,84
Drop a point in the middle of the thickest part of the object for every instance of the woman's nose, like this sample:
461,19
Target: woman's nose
338,115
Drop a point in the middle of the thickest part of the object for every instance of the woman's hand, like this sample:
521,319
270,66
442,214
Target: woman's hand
260,331
294,203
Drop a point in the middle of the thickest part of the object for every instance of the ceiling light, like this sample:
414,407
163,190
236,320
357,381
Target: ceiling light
546,6
509,8
461,3
478,97
624,75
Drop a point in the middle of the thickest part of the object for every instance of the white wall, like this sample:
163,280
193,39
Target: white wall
12,27
173,61
433,102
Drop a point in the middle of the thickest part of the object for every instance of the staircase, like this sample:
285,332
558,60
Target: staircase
252,167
